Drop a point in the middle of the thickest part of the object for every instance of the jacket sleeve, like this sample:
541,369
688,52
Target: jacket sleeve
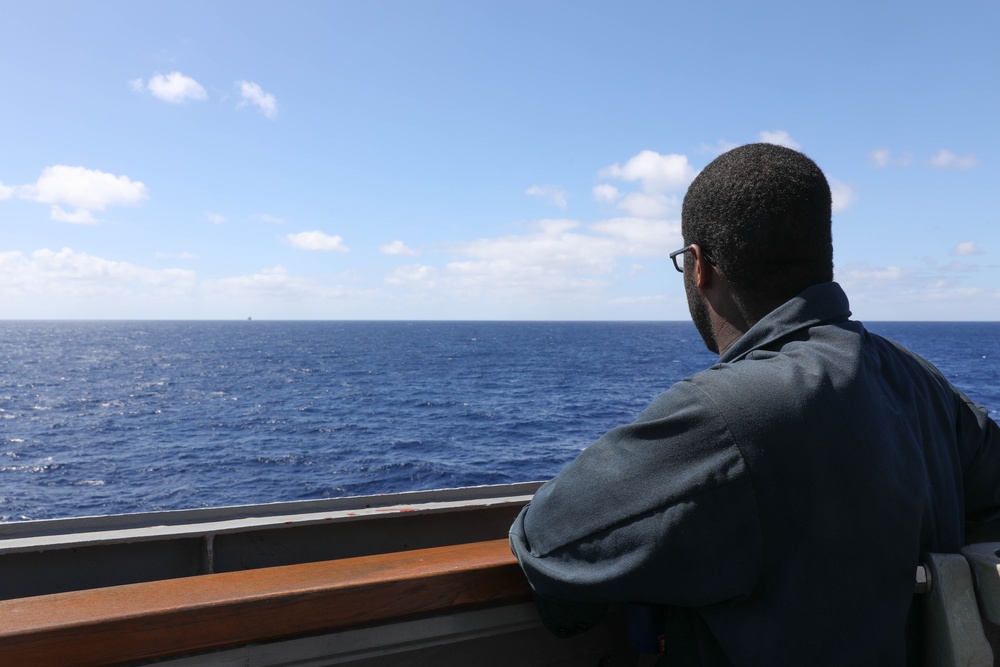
660,511
980,438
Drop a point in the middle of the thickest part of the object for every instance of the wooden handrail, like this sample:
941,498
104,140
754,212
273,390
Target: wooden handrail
118,624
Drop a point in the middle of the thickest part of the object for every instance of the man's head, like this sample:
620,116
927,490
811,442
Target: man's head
762,213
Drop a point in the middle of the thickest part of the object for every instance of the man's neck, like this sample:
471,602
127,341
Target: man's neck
729,318
725,335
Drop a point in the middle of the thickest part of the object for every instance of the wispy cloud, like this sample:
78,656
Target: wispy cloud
6,191
416,275
220,219
276,288
274,281
178,88
78,217
898,292
175,88
718,148
966,249
557,257
866,276
550,192
82,285
780,138
317,241
883,157
649,204
397,247
69,273
176,255
843,195
945,159
254,95
777,137
605,192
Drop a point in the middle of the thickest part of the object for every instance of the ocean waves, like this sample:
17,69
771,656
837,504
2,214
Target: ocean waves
113,417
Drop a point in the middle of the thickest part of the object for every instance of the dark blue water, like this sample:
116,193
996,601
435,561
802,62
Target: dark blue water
112,417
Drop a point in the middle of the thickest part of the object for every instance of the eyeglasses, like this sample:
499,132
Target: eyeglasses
679,265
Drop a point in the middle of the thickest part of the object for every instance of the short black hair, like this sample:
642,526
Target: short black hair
763,214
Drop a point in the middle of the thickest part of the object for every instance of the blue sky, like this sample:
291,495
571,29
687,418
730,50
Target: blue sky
476,160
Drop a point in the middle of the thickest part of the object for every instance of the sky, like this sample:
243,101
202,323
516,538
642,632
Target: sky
477,160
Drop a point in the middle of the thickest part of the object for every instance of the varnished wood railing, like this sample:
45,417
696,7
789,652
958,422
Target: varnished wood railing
119,624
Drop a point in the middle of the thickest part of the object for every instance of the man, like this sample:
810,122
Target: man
776,505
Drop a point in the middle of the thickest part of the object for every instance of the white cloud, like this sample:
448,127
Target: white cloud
556,244
637,269
67,274
960,267
551,192
656,172
84,189
79,265
216,218
843,195
965,249
175,88
275,279
270,218
412,274
397,247
945,159
65,283
253,94
175,255
6,191
780,138
317,240
641,238
907,293
79,217
606,192
880,157
865,277
721,146
277,291
649,205
883,157
559,259
499,278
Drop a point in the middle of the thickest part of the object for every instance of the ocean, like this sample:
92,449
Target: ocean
118,417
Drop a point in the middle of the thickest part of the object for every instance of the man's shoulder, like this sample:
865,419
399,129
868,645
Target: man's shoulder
785,372
779,365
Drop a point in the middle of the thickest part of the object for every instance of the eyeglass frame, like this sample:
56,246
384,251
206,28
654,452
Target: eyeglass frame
675,253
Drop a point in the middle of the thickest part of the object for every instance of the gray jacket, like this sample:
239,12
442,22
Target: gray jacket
782,498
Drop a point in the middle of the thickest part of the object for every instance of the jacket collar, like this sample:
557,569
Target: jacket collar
819,304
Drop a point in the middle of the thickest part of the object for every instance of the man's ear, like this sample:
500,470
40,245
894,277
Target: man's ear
704,272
